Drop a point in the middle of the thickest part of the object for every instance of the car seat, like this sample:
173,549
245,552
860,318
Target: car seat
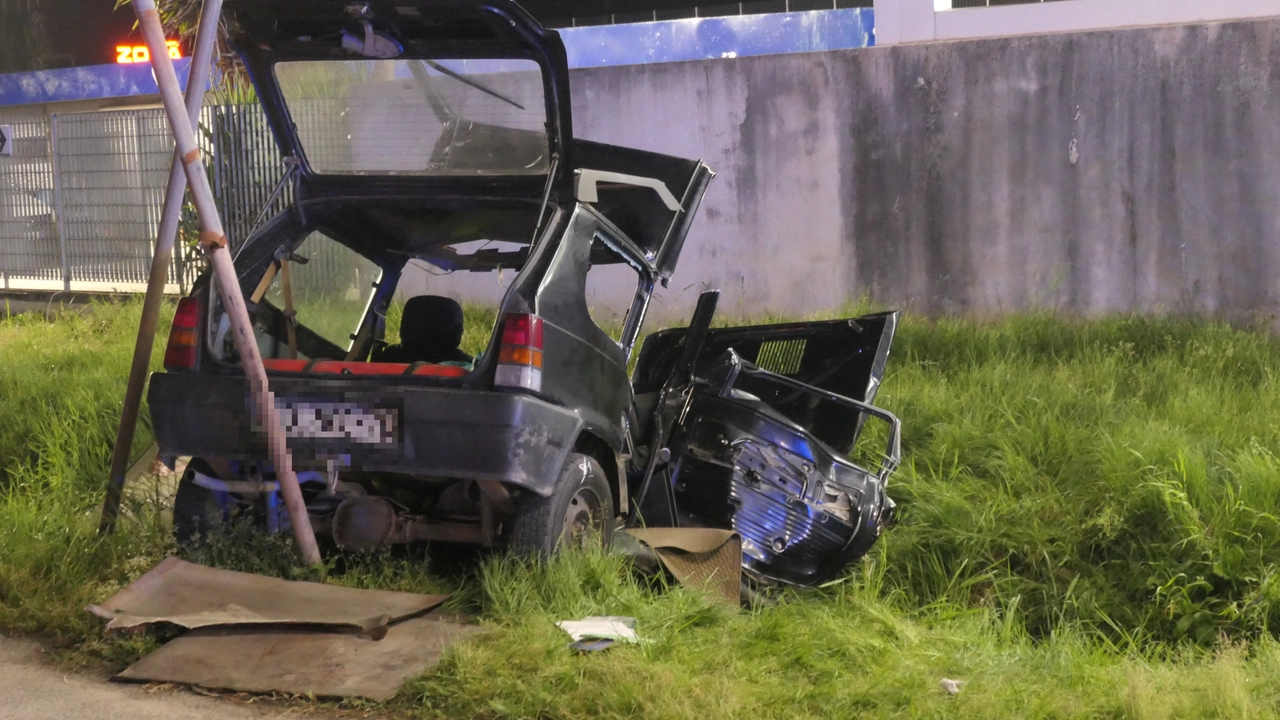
430,332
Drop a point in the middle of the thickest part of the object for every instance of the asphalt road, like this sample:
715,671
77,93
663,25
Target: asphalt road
31,688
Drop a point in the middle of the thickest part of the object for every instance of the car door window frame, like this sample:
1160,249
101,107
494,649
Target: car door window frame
644,284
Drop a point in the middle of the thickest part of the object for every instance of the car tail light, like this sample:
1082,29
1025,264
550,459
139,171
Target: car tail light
184,335
520,354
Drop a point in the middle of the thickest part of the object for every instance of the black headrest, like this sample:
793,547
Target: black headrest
431,327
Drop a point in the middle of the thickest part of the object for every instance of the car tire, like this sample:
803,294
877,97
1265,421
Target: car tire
197,510
579,512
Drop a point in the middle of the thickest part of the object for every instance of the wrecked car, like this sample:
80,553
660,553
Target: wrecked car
754,428
439,200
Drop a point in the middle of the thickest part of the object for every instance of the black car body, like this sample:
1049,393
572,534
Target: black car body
758,425
416,129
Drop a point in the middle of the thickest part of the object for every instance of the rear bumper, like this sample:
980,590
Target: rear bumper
443,432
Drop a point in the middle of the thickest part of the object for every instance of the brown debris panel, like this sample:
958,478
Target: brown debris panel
703,559
302,661
195,596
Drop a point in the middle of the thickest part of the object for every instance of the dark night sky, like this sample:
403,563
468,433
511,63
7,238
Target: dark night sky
86,32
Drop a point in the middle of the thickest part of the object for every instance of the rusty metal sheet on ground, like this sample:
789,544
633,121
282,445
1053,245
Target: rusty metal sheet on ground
196,596
302,661
704,559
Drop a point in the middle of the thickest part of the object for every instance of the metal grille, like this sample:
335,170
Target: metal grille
247,169
81,197
956,4
714,9
29,246
781,356
112,168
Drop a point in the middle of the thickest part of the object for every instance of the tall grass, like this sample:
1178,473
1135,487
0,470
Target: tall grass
1119,473
61,384
1087,527
847,651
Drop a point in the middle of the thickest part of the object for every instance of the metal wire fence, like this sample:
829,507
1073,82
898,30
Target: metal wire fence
246,168
29,246
81,195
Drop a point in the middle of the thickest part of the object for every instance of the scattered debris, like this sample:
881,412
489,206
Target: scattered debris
610,627
704,559
257,634
588,646
194,596
953,687
302,661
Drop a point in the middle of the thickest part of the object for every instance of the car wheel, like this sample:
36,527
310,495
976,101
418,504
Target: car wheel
198,511
579,513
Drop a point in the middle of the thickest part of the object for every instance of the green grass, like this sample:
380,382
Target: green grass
1088,522
1121,474
61,385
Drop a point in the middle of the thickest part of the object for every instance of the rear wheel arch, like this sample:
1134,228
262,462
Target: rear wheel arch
589,443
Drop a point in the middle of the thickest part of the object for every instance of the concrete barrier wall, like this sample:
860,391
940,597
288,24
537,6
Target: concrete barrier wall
899,21
1133,170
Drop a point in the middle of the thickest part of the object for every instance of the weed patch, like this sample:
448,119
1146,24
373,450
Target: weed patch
1087,527
1120,474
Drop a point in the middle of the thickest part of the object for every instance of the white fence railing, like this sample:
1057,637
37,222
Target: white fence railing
80,194
906,21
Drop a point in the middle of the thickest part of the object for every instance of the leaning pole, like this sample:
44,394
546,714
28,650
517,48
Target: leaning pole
214,243
197,78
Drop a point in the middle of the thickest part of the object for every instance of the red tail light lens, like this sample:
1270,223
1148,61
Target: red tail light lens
523,331
184,335
520,356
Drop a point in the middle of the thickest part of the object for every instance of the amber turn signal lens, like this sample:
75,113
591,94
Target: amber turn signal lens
510,355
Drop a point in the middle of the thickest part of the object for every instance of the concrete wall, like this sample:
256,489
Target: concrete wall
900,21
770,231
1090,173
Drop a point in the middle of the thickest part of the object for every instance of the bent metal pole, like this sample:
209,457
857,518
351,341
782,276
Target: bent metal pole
214,242
197,78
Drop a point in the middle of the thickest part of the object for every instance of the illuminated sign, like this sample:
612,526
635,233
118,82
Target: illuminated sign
140,53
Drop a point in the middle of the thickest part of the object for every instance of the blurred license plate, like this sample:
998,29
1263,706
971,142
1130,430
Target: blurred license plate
338,421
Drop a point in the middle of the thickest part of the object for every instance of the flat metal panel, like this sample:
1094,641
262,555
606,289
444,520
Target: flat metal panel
92,82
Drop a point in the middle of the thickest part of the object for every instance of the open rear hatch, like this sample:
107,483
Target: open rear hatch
450,99
465,97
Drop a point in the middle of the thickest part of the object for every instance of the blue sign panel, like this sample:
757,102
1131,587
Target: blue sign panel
93,82
596,46
719,37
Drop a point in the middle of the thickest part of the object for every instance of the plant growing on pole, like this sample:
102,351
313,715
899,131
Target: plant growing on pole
180,19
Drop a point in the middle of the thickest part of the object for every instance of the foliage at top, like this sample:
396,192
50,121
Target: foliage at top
180,19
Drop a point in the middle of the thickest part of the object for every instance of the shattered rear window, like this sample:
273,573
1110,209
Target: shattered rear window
418,117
